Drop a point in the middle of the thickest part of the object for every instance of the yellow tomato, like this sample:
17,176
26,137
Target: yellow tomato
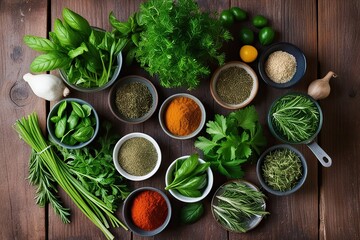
248,53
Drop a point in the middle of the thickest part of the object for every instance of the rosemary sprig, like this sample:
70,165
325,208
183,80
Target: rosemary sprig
237,205
296,117
282,169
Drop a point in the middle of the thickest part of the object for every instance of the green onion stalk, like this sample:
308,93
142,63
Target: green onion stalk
93,208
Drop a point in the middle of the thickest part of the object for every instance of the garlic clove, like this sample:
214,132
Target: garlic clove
320,88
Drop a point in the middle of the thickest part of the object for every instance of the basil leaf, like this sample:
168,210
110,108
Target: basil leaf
201,168
187,167
87,109
123,27
39,43
60,127
66,36
78,109
49,61
78,51
192,212
73,120
196,182
55,119
189,192
129,58
76,22
135,38
69,140
83,134
54,38
62,108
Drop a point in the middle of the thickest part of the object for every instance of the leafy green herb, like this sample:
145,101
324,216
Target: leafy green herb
282,169
191,212
296,117
233,140
190,177
237,205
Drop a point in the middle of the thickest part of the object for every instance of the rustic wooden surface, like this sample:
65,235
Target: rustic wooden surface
326,207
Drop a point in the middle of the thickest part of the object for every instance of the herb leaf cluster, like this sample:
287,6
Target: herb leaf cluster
233,140
191,212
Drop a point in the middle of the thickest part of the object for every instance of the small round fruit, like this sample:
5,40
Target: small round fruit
246,35
238,13
266,35
259,21
226,18
248,53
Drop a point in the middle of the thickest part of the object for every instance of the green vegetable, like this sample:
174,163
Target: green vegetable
295,117
259,21
190,177
47,168
83,134
191,212
266,35
237,205
233,140
246,35
238,13
178,42
282,169
60,127
227,18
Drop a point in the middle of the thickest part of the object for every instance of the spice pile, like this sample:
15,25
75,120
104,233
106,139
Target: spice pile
182,116
280,66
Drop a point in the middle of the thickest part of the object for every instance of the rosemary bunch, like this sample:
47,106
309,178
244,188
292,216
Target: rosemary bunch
296,117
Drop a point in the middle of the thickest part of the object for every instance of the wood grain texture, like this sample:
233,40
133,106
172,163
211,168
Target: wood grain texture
339,51
20,217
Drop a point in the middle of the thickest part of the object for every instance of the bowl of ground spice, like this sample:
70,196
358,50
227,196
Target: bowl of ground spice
147,211
182,116
234,85
282,65
137,156
133,99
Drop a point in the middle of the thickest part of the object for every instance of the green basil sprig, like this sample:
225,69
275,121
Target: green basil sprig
191,212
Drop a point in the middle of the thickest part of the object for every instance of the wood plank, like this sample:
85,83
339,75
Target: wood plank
20,217
338,51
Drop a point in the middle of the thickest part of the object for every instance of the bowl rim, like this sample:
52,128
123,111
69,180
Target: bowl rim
251,185
185,199
127,219
49,124
119,60
253,92
259,171
163,108
140,79
277,47
117,147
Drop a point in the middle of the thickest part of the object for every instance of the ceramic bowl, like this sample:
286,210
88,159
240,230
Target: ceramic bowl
250,223
182,198
51,126
259,170
163,109
291,49
95,89
127,212
215,78
127,80
116,153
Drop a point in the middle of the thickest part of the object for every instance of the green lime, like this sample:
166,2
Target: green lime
226,18
259,21
246,35
238,13
266,35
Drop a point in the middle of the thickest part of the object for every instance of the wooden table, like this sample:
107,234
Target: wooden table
326,207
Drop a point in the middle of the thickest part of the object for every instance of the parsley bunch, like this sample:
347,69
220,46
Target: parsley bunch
233,139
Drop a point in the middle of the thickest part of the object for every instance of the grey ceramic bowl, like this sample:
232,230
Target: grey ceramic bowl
96,89
164,106
122,82
291,49
51,126
260,174
127,212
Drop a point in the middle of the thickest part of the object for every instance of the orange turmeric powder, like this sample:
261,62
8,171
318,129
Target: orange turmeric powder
149,210
182,116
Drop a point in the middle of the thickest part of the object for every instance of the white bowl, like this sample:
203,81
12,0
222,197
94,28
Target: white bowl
177,195
116,152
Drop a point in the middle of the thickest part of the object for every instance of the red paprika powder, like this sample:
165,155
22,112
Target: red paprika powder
149,210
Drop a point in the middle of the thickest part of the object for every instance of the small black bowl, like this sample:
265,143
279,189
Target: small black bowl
291,49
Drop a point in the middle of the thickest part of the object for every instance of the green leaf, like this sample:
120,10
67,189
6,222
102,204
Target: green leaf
87,109
78,109
123,27
189,192
217,128
66,36
246,118
39,43
76,22
205,144
60,127
191,212
196,182
55,119
78,51
83,134
61,108
73,120
187,167
258,140
49,61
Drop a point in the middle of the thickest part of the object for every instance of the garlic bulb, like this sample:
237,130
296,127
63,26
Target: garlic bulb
320,88
47,86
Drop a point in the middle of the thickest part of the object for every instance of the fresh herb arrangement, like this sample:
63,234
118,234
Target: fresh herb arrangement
233,140
174,40
237,205
86,55
190,176
74,123
191,212
46,169
295,117
282,169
